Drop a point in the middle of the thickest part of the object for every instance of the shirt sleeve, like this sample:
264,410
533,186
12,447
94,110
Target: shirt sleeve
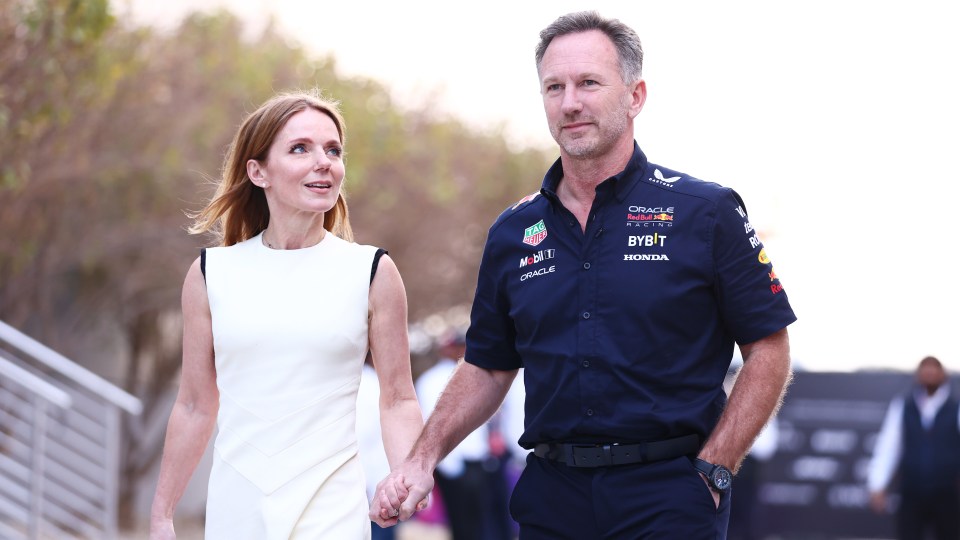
886,452
491,337
752,300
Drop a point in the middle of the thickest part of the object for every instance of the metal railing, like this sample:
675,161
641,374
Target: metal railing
59,444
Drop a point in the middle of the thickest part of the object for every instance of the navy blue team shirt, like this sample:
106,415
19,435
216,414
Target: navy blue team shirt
627,329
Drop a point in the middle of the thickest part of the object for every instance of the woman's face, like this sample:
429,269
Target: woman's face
304,167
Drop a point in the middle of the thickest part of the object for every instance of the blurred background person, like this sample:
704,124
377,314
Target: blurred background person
919,443
469,479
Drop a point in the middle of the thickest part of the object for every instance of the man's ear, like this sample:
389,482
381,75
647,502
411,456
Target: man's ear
638,96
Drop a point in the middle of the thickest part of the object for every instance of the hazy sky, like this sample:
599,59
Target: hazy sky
838,123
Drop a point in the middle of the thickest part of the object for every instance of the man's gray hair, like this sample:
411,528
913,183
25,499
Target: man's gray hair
626,41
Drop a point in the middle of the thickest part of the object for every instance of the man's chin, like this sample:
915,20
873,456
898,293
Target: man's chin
580,149
577,144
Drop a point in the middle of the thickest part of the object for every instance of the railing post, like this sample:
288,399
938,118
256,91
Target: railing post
112,485
37,467
55,367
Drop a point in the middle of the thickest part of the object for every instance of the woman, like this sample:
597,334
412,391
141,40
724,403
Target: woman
277,322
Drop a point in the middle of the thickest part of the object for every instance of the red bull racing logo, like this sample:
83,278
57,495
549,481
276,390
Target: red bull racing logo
641,216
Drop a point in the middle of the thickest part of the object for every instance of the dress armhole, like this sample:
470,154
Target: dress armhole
376,261
203,264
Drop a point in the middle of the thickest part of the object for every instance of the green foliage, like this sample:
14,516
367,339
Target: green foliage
108,132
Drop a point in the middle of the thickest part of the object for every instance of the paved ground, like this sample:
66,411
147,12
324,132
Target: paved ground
407,531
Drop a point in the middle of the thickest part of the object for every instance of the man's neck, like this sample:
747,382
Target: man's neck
581,177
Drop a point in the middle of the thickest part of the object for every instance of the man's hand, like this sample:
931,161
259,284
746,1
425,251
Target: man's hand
716,496
400,495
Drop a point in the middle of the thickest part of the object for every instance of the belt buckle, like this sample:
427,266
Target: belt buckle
608,453
602,453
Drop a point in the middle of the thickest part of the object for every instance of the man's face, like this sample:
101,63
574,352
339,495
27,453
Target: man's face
589,108
930,376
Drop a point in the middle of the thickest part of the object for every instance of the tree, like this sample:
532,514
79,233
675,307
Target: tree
108,133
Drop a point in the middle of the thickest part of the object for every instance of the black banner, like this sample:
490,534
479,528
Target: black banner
814,486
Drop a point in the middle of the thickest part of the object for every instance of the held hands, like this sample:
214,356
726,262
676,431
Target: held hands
400,495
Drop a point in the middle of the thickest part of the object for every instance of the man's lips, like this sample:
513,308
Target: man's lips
575,125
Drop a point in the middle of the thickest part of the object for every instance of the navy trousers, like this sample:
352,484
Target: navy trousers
931,512
648,501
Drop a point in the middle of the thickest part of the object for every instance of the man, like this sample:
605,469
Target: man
620,287
920,438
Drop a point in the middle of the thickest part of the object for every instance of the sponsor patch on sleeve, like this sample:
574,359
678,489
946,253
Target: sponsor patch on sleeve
528,198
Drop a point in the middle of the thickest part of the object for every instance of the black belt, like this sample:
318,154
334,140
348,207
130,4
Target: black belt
605,455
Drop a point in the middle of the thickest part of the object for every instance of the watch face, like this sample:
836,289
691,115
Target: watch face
722,478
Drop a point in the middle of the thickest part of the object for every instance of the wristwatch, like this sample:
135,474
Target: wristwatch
718,477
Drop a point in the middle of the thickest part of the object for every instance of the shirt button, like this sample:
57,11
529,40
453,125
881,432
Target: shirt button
586,266
586,363
589,412
586,314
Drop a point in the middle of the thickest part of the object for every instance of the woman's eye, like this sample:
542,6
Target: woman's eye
298,148
335,151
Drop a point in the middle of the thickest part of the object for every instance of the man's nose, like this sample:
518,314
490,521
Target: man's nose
571,103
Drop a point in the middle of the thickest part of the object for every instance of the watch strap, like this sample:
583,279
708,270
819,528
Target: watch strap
709,471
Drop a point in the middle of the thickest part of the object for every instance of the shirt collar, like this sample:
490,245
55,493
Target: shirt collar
934,400
623,182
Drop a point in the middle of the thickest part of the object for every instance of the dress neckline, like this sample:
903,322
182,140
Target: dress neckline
258,239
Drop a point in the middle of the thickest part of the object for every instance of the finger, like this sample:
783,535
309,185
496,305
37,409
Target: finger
402,491
389,513
389,510
398,489
385,508
392,495
410,506
383,523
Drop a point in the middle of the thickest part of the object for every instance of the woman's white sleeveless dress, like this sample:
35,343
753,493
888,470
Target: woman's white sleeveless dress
290,337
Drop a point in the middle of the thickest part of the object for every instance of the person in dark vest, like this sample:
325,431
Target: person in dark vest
920,444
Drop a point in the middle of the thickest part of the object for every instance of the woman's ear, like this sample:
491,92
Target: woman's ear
255,173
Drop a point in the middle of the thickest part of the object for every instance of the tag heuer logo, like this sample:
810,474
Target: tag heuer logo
535,234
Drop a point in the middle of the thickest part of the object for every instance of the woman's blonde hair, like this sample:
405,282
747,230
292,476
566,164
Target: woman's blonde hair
238,210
